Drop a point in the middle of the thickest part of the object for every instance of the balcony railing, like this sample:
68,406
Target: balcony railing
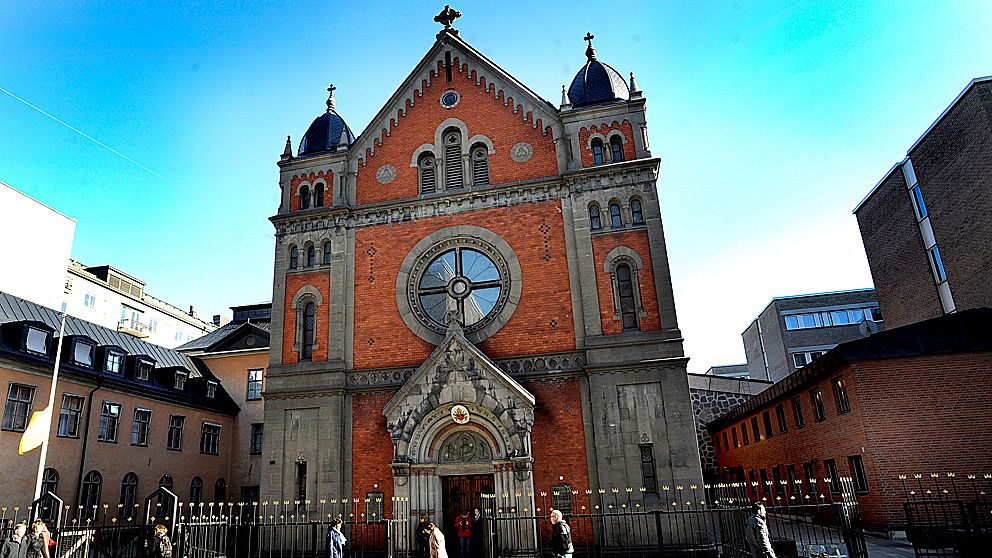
133,327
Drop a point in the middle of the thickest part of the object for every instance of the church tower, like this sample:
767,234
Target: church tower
473,295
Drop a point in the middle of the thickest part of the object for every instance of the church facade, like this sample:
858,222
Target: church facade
473,296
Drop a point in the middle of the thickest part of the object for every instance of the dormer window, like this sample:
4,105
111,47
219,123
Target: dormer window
114,363
181,380
143,370
211,389
82,353
36,341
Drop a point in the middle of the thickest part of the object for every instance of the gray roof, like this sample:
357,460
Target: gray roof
214,337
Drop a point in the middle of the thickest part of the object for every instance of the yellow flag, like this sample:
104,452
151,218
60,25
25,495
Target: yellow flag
37,431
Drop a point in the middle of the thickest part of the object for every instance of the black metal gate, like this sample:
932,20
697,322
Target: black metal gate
948,518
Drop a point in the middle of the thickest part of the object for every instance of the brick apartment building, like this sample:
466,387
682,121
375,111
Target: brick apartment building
904,401
474,294
926,225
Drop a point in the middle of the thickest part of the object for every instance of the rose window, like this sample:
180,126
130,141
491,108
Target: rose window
460,282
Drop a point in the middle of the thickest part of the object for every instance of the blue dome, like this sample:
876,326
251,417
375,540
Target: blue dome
596,83
324,134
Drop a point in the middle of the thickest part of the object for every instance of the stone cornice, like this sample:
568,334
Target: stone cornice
600,177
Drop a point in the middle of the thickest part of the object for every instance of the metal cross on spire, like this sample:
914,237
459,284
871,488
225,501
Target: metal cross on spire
590,50
447,16
331,103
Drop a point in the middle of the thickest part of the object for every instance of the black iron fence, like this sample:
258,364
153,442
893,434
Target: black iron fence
678,520
948,515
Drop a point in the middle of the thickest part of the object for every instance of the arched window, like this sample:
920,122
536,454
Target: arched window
327,252
616,219
50,481
480,165
304,197
129,495
453,173
311,256
220,490
426,166
625,288
89,498
165,482
595,219
309,329
636,214
597,152
294,257
196,490
318,195
616,149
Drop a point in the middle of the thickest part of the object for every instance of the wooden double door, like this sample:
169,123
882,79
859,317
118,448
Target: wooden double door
460,493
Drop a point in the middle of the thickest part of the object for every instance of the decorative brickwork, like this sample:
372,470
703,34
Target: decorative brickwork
602,131
311,179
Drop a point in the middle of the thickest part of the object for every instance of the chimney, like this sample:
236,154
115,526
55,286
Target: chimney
216,319
192,311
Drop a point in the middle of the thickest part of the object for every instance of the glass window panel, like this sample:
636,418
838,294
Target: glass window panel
37,340
857,316
83,354
792,322
477,267
809,320
440,271
435,306
876,314
840,317
479,304
921,207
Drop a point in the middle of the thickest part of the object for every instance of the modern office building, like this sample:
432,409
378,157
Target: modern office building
926,225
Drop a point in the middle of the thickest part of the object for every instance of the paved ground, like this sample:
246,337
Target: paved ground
817,534
888,548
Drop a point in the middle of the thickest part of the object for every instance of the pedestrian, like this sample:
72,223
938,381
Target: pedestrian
335,539
160,545
756,533
561,536
477,525
463,524
423,537
437,542
16,545
37,546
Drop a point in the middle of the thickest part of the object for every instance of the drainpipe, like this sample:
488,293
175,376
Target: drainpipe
86,437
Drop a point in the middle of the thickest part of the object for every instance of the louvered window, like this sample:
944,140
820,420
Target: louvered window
480,165
453,174
428,174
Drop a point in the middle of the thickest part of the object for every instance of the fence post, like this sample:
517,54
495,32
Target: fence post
657,525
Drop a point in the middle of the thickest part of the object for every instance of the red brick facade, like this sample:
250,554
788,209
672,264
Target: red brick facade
558,424
370,466
627,136
637,241
312,179
294,283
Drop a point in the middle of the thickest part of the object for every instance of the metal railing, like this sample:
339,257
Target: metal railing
948,515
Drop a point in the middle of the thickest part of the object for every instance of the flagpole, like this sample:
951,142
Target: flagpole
51,402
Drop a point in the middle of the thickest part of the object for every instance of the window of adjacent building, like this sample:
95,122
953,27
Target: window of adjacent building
82,353
561,498
816,397
254,384
733,434
89,300
220,490
50,481
797,412
211,389
37,341
480,165
744,436
129,495
72,409
802,359
790,476
858,473
89,497
595,219
812,320
777,480
114,362
809,468
311,256
318,195
766,419
196,490
598,156
937,264
616,218
140,427
166,482
649,475
179,335
304,197
110,418
764,481
636,213
628,306
143,370
726,446
294,257
832,474
176,424
428,173
754,429
18,407
152,325
453,160
840,395
210,438
918,205
309,331
327,252
783,425
616,149
256,438
180,380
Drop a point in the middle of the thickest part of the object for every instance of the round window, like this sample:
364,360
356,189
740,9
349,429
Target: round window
450,98
460,283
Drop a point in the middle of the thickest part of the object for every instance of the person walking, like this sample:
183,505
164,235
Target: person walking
423,537
16,545
561,536
437,542
477,536
160,546
463,524
37,541
756,533
335,539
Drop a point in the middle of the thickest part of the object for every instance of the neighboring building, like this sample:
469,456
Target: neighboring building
111,298
237,354
728,371
128,417
33,270
909,400
926,225
792,331
474,295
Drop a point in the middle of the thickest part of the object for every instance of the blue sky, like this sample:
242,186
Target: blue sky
773,119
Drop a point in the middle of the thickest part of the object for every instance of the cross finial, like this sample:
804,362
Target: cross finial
447,16
589,37
590,50
331,103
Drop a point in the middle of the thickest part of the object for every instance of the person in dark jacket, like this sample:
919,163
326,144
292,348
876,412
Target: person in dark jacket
161,546
37,541
16,545
756,533
335,540
561,536
423,536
